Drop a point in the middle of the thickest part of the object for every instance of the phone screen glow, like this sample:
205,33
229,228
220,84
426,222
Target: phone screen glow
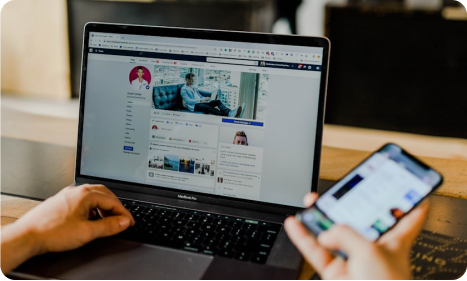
376,194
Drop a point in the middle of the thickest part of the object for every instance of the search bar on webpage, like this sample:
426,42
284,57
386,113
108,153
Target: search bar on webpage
232,61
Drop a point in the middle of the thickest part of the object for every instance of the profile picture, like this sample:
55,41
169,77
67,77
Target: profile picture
140,78
240,138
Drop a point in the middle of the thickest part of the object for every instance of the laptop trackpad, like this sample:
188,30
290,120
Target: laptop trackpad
116,259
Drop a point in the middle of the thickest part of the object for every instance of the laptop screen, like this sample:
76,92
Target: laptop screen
225,118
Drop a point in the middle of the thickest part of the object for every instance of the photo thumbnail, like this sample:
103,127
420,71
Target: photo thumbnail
187,165
203,169
156,162
223,93
171,162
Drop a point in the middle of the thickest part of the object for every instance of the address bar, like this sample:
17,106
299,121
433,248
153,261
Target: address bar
232,61
144,43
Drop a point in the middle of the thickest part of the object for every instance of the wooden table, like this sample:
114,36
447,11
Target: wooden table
335,162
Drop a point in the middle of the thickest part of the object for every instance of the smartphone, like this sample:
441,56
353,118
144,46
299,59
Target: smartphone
374,196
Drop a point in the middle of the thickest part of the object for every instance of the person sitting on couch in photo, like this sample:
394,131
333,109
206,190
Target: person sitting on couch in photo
194,101
240,138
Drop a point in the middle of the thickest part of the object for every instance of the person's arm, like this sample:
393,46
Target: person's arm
387,258
17,246
201,95
62,223
204,94
187,99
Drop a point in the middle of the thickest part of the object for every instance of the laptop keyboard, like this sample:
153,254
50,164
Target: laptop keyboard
201,232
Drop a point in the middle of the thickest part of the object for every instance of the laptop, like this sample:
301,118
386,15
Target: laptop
209,192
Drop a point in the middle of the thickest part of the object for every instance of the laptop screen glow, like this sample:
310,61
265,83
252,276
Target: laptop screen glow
243,125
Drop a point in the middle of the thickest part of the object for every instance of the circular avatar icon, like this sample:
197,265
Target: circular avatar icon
140,78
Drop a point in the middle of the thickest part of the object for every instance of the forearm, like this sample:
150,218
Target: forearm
18,245
190,101
204,94
187,99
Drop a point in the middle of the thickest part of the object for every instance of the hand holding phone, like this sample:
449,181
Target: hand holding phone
365,204
387,258
374,196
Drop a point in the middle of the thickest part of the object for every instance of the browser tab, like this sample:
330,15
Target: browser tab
232,61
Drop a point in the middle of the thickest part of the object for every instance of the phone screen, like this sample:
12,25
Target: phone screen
375,195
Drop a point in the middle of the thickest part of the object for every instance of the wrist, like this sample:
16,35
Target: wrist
18,244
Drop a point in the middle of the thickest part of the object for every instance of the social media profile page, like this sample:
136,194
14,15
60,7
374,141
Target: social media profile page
140,131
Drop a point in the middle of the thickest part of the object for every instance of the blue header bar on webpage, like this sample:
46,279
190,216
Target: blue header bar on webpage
242,122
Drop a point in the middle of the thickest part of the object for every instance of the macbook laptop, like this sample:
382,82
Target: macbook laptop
209,191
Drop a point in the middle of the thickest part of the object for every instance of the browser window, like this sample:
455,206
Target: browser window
201,115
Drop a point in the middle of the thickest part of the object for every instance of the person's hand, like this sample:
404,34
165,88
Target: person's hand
387,258
62,223
206,99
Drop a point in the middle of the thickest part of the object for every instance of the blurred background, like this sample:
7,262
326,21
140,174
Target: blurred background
397,65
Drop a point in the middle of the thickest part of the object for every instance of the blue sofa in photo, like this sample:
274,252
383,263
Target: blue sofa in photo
168,97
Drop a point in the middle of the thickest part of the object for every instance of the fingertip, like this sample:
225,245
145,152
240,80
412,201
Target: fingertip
417,216
425,204
310,199
288,221
124,222
425,201
294,228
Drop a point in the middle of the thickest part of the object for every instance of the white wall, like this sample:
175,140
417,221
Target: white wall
310,18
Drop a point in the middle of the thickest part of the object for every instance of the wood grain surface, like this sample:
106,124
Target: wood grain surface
14,207
336,162
370,140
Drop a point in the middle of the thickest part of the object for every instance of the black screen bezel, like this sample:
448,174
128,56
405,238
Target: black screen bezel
404,153
232,36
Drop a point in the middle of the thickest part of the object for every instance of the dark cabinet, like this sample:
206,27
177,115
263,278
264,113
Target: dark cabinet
399,69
